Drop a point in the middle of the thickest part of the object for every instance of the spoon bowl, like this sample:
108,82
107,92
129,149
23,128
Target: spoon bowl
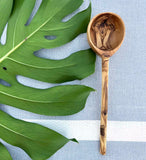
105,35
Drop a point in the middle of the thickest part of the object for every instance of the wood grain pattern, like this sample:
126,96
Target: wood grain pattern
105,35
103,28
104,105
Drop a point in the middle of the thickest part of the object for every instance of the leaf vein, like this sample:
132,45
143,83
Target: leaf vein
37,67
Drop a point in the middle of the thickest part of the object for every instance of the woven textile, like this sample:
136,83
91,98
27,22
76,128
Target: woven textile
127,93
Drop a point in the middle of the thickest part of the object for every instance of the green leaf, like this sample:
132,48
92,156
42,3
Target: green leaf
37,141
58,101
5,10
77,66
17,58
4,154
23,40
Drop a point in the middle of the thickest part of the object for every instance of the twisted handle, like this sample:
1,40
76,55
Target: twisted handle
104,105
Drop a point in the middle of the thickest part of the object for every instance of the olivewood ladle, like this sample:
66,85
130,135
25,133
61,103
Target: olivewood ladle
105,35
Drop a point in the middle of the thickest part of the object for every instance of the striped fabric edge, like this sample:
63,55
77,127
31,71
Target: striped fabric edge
88,130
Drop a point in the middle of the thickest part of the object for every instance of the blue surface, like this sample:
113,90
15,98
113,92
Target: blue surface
127,89
88,150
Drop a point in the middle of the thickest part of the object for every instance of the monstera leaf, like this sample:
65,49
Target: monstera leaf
46,30
27,136
4,153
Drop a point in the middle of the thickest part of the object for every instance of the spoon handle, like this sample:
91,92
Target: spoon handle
104,104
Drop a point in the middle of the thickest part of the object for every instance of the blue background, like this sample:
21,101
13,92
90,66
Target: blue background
127,89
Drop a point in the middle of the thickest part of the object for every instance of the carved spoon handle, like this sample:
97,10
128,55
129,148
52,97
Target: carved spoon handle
104,104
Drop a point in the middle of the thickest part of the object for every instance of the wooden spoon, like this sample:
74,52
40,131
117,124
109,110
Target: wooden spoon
105,35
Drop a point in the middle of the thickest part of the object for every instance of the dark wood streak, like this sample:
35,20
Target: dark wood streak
102,130
103,29
105,113
105,55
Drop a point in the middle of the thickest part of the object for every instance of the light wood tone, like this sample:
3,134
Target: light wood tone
104,104
105,35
